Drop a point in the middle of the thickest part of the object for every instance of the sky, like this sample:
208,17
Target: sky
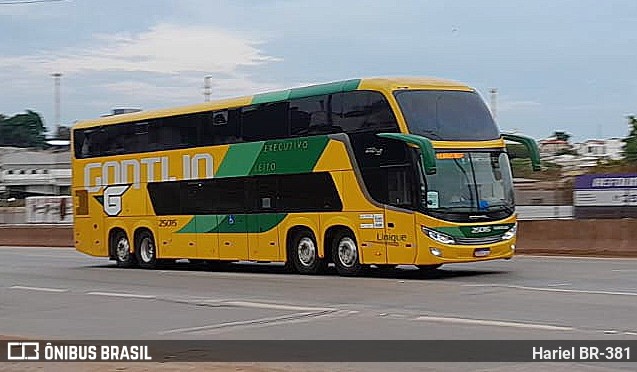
557,65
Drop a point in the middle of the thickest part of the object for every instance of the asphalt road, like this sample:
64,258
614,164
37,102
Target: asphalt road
59,293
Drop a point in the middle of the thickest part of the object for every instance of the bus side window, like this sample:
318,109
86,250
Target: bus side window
85,147
219,127
307,114
265,121
267,192
98,143
361,110
81,143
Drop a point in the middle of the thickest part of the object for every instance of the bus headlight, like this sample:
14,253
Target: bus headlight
438,236
510,233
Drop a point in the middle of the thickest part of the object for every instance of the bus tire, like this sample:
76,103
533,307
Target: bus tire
304,253
145,250
120,246
429,267
346,255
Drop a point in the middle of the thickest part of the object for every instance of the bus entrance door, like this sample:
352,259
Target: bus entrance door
399,235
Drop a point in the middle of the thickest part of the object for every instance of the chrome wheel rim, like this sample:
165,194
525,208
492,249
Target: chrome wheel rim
306,252
122,249
147,250
347,252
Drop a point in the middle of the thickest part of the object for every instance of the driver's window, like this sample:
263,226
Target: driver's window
400,186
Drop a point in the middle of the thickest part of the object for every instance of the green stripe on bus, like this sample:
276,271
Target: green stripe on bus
248,223
239,159
200,224
314,90
232,223
286,156
289,156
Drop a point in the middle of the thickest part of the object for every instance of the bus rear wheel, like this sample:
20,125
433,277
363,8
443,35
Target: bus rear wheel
346,257
120,246
304,253
145,250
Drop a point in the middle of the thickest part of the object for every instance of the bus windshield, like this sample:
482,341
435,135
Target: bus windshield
447,115
471,182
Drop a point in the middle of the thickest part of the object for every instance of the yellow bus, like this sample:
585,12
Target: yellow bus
362,172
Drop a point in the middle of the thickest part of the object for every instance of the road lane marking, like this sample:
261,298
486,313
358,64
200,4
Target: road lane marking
40,289
493,323
561,290
262,305
251,322
125,295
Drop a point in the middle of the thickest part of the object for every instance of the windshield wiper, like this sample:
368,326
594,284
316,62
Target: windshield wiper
504,207
463,209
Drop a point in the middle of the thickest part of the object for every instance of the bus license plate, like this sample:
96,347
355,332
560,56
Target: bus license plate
481,252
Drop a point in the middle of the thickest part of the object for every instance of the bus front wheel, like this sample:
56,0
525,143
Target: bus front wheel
304,253
145,250
345,255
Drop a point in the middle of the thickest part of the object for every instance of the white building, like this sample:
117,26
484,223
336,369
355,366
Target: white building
609,149
26,172
552,146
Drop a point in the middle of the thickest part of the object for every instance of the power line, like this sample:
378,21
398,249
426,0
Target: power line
18,2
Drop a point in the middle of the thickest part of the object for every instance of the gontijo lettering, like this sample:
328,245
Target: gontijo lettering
152,169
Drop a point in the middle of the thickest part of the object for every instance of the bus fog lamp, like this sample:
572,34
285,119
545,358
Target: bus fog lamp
435,251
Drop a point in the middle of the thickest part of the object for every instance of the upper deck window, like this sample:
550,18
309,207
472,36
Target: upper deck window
447,115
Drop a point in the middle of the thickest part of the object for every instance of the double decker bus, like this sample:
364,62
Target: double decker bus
382,171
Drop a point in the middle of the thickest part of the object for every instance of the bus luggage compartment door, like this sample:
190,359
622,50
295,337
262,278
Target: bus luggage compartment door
233,237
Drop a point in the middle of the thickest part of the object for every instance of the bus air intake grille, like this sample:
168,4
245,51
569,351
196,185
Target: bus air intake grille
478,241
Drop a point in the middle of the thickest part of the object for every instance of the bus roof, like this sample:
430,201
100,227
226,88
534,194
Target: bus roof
386,84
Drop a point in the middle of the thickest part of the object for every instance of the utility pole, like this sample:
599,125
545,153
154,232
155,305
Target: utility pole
494,99
56,93
207,88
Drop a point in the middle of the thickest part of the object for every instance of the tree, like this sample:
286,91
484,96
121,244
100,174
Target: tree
517,151
22,130
630,142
